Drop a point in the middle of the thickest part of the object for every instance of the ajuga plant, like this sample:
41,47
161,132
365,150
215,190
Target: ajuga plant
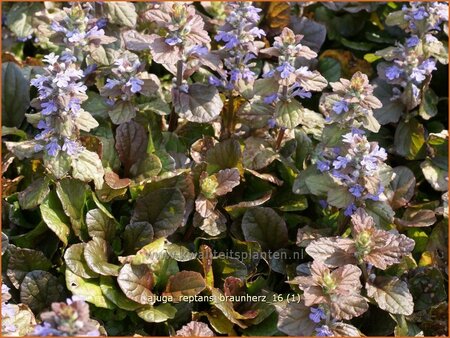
224,168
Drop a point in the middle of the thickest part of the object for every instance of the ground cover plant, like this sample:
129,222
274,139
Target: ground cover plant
212,168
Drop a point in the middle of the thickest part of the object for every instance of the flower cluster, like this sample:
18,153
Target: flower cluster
71,319
239,34
356,166
127,78
293,82
424,17
181,33
210,220
17,320
8,312
368,245
75,27
351,104
337,291
60,94
410,64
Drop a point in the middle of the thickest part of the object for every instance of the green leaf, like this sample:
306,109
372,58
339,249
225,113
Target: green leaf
226,307
409,140
428,106
382,213
19,18
21,261
96,256
34,194
58,165
40,289
201,104
226,154
163,267
405,328
136,236
340,197
15,93
148,254
121,13
113,293
437,177
180,253
72,194
226,267
75,261
147,167
122,111
89,290
163,208
314,32
434,292
360,45
136,281
157,314
185,283
288,114
131,143
100,225
55,218
330,68
96,105
268,327
320,184
401,187
87,167
259,224
391,294
392,110
293,319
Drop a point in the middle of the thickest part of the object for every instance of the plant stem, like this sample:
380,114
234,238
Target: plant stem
282,130
173,118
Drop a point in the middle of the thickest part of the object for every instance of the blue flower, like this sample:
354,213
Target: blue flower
101,23
111,83
51,58
412,41
323,203
351,208
317,315
214,81
49,107
257,32
300,92
285,69
340,106
324,331
135,84
356,190
270,98
341,162
53,147
393,72
428,65
45,329
173,40
271,123
199,50
323,165
420,13
74,105
71,147
417,74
